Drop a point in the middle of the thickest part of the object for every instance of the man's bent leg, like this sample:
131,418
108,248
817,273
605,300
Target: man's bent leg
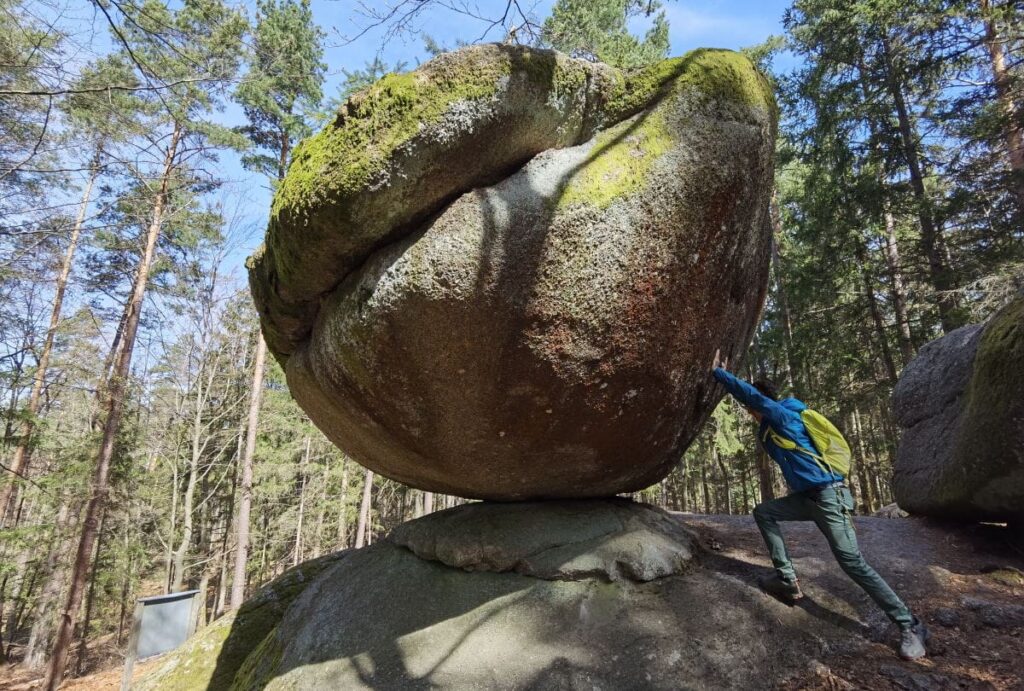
767,516
833,517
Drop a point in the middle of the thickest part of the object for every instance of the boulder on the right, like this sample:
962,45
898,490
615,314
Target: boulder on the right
961,406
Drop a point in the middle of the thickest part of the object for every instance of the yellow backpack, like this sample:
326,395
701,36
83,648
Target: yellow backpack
833,452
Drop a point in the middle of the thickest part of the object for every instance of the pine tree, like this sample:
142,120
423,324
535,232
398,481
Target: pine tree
279,95
168,43
600,31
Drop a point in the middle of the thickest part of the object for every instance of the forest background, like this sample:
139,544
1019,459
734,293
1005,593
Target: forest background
148,444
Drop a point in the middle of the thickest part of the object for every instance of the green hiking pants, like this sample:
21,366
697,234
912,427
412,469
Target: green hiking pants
831,509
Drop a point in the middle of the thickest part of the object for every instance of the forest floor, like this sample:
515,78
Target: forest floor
966,583
14,678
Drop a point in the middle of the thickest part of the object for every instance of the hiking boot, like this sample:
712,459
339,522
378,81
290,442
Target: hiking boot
786,591
913,640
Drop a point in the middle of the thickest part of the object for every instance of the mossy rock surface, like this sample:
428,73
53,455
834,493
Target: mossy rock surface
961,403
212,658
503,275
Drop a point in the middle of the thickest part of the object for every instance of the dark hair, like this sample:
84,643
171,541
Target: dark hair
768,388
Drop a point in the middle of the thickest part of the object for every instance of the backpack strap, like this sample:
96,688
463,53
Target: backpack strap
789,445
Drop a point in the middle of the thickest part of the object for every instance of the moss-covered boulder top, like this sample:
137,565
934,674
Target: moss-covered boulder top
398,151
961,404
503,275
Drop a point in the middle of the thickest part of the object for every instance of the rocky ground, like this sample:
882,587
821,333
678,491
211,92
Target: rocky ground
966,583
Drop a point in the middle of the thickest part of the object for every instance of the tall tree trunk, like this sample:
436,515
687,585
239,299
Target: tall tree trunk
1014,130
931,239
745,477
20,460
780,289
428,503
725,478
256,395
90,600
245,497
362,528
126,587
863,466
343,507
318,532
876,315
897,285
188,500
765,481
704,487
43,620
897,289
297,556
117,390
684,504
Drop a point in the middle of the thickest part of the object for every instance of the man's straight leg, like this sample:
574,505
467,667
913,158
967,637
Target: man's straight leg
767,515
833,517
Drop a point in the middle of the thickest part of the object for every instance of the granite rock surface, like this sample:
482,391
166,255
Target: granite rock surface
504,274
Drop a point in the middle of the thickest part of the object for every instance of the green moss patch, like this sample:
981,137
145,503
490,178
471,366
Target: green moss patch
376,121
624,154
621,161
990,438
998,380
719,74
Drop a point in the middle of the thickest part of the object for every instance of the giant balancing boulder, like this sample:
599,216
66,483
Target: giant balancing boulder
504,275
961,404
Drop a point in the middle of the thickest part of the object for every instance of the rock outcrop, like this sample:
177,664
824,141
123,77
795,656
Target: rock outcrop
961,404
504,274
566,595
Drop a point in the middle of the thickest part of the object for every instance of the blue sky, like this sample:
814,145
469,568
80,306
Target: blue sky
693,24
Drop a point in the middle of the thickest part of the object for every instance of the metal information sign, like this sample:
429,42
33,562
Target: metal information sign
162,623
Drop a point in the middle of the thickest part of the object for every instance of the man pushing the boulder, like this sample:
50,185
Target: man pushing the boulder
814,460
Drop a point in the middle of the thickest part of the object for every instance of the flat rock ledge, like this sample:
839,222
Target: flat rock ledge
604,539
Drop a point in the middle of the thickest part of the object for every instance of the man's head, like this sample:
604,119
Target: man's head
768,389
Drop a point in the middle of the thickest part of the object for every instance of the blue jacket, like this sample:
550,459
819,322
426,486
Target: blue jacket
801,471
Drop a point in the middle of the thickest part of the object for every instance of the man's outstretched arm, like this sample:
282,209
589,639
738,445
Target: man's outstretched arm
748,395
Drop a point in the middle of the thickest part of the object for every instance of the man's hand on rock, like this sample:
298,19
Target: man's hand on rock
718,362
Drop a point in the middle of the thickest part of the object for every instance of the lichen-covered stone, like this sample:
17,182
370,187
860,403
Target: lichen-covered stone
519,296
961,404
